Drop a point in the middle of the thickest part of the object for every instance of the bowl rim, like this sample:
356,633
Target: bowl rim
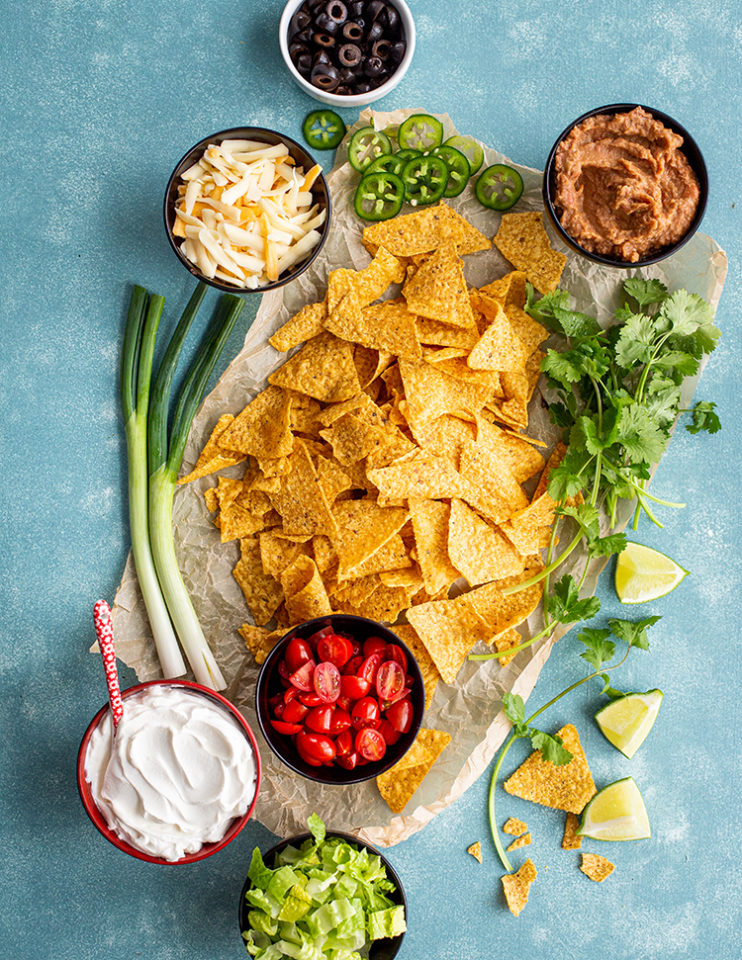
697,163
239,133
298,839
355,99
359,774
96,816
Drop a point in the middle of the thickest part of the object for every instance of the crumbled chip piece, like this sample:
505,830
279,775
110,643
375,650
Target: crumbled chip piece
523,241
399,783
475,850
524,841
260,642
213,457
517,885
211,498
568,787
506,640
322,369
449,629
571,839
596,867
478,549
307,323
438,289
514,827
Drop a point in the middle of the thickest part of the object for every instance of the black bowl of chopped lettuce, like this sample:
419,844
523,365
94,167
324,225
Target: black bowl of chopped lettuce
330,892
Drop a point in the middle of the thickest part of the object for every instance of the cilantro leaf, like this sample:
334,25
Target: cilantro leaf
686,312
634,344
663,399
552,310
587,517
608,690
565,368
584,434
607,546
683,364
600,649
634,633
515,711
640,437
552,748
565,480
704,418
645,292
574,324
565,606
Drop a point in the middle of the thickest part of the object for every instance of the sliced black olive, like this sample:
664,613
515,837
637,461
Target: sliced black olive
326,24
381,49
375,8
363,87
300,21
397,52
304,63
303,36
321,56
390,17
352,31
349,55
343,90
296,50
337,11
347,74
373,67
356,8
325,76
375,32
323,40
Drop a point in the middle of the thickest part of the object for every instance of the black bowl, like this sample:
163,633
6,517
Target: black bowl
319,190
693,155
269,684
380,949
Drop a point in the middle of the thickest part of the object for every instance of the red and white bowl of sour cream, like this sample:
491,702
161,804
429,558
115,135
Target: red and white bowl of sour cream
179,778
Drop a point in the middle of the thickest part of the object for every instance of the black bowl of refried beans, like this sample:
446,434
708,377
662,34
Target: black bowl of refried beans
625,185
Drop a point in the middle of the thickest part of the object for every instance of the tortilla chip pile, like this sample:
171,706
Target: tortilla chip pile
384,459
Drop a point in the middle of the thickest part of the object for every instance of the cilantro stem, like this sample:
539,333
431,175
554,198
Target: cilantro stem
538,577
511,650
665,503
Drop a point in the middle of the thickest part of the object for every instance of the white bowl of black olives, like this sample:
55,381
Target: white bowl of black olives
347,52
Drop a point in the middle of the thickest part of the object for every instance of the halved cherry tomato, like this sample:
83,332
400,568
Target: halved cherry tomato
373,645
319,719
365,713
370,744
340,721
389,680
302,678
278,710
343,743
302,751
315,745
370,665
335,649
289,729
395,652
399,715
294,712
351,667
309,698
354,687
348,760
404,692
316,637
344,703
390,735
291,694
327,682
357,649
274,701
298,652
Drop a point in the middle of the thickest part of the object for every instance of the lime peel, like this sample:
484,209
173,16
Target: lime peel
616,812
626,721
644,574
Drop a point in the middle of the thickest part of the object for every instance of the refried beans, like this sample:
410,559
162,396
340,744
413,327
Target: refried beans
624,189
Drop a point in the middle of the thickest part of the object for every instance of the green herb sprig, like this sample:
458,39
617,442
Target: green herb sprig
599,651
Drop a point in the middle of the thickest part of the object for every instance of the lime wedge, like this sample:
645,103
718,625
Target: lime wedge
644,574
616,812
626,722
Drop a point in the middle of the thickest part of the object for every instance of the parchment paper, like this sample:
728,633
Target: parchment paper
470,709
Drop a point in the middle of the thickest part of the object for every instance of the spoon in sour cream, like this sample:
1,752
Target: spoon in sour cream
104,633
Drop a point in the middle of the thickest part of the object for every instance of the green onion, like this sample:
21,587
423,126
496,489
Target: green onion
153,454
136,369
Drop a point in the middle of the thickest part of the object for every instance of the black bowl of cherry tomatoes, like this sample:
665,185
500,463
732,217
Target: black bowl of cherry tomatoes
340,699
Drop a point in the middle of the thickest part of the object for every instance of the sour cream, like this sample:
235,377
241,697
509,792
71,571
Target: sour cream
177,772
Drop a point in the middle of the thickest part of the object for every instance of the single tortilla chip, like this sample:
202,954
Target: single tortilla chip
322,369
301,500
478,549
277,553
523,241
363,527
510,289
428,669
522,458
449,629
307,323
401,781
499,347
368,284
306,596
430,393
262,429
568,787
445,437
213,457
596,867
262,593
530,331
435,333
420,475
516,887
237,522
514,827
524,841
384,604
438,289
423,231
333,480
475,850
571,839
391,556
388,327
492,490
430,520
260,642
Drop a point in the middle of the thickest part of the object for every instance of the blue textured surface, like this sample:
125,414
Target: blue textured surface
99,98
